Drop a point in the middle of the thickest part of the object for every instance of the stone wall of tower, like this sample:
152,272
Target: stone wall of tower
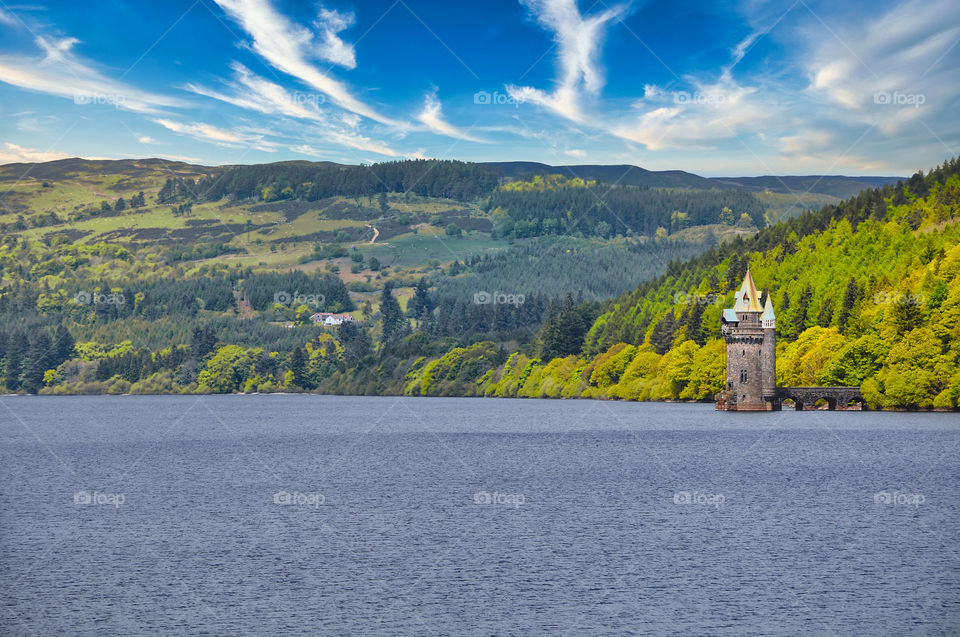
769,363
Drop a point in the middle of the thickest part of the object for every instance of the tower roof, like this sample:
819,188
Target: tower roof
747,300
768,314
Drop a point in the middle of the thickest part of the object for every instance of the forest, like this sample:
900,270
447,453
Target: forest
602,210
307,181
867,292
550,205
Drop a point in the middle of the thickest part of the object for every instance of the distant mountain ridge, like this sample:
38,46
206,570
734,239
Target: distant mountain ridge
623,174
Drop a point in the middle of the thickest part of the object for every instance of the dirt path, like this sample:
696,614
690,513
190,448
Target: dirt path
376,233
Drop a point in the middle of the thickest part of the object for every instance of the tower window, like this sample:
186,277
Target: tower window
743,375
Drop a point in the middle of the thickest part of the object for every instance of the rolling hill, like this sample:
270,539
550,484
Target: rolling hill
838,186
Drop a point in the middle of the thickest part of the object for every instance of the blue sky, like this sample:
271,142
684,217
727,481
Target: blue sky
744,88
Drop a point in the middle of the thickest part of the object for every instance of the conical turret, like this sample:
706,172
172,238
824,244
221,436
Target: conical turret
747,300
768,319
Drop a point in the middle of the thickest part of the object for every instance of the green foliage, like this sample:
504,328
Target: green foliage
312,182
876,305
227,371
601,210
391,316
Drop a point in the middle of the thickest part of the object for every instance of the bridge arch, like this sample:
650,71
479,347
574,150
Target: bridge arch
807,397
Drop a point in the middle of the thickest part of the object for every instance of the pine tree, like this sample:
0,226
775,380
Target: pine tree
907,314
803,307
37,362
734,275
850,298
17,346
421,306
63,345
391,315
356,343
825,317
298,365
693,323
662,335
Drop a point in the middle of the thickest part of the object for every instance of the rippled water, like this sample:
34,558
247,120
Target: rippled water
472,517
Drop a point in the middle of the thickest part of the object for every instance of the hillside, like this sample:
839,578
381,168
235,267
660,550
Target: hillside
837,186
866,293
134,258
152,276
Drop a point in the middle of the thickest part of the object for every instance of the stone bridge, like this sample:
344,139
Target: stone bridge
806,397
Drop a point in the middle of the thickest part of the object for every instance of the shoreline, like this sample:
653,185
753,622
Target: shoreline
686,402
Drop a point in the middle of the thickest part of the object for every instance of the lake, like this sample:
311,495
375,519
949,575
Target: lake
324,515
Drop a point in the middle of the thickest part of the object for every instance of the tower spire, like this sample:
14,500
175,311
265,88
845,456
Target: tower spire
768,319
748,300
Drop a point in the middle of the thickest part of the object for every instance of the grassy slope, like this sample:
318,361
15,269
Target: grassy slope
276,241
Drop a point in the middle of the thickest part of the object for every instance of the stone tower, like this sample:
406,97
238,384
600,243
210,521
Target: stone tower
750,331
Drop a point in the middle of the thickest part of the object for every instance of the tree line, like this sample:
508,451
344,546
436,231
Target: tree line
304,181
601,210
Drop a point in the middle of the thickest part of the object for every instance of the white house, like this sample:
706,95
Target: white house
329,318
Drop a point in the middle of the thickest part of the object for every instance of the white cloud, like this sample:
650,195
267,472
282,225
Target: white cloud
307,149
892,69
61,73
36,124
331,47
7,18
183,158
252,92
255,93
358,142
809,141
698,118
202,131
289,47
576,152
432,117
145,139
578,42
13,154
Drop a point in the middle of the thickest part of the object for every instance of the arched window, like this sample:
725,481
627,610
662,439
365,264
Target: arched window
743,375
